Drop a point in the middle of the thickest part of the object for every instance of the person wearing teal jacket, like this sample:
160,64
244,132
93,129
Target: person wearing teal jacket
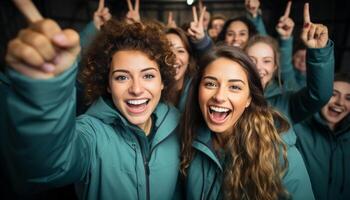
124,146
301,104
324,142
231,147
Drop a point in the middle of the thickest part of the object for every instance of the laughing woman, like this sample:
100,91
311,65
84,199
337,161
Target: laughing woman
230,146
125,145
185,65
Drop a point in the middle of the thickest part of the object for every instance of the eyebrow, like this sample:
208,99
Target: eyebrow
126,71
230,80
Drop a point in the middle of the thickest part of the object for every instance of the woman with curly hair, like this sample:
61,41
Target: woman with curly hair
125,145
230,146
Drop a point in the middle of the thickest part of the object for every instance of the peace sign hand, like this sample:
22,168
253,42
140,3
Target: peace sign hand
43,50
196,29
133,14
101,15
313,35
285,24
252,7
171,21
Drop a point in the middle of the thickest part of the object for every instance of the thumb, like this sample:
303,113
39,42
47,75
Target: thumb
67,38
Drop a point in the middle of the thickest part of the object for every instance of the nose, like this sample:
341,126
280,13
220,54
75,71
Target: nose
340,100
136,88
219,95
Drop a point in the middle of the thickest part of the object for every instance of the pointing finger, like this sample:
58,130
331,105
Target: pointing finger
287,11
101,5
306,13
29,10
129,5
195,16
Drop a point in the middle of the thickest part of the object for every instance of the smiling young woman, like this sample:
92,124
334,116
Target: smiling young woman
231,147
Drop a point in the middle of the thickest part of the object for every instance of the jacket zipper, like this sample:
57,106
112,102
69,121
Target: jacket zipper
147,172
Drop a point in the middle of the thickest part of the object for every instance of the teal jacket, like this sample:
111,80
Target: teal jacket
258,23
327,156
184,94
205,174
45,145
302,104
87,35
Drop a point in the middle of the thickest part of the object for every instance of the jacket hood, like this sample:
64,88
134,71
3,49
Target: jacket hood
166,117
289,137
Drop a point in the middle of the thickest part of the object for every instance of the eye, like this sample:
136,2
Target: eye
120,78
235,87
148,76
267,61
242,34
209,84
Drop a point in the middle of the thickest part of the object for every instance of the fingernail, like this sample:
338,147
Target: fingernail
48,67
306,25
61,38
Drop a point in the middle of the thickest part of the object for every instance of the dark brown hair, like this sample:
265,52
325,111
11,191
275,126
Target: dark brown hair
114,36
254,169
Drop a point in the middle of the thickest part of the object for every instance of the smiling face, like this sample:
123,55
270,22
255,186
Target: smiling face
182,56
237,34
223,94
299,60
338,106
135,85
264,58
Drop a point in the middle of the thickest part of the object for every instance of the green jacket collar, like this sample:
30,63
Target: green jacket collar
342,127
203,143
166,117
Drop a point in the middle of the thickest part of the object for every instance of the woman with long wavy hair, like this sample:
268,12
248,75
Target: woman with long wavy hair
231,147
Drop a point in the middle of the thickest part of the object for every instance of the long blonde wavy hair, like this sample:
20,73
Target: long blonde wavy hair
256,153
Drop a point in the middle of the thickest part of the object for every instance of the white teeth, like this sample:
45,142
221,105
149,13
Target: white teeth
137,102
336,109
176,66
219,109
236,45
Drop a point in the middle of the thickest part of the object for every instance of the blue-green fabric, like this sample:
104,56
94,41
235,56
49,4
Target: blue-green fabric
184,94
258,23
45,145
302,104
87,35
327,156
205,174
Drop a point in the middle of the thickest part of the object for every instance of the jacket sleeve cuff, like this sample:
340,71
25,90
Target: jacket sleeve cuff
321,54
203,44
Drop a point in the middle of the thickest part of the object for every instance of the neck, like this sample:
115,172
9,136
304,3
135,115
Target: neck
147,126
179,84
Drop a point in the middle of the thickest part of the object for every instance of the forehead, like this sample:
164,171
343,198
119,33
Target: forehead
225,69
174,39
131,60
260,49
237,25
342,87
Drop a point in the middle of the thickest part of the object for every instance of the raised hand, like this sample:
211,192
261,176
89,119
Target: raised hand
313,35
133,14
196,29
43,50
252,7
101,15
285,24
171,22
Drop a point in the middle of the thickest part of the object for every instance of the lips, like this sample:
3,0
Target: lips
137,106
335,111
177,68
218,115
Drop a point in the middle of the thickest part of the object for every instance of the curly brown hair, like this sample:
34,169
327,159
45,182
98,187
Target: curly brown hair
254,149
114,36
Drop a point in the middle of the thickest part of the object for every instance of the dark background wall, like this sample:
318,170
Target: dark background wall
76,13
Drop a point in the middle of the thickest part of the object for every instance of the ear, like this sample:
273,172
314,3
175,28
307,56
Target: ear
108,89
162,86
248,102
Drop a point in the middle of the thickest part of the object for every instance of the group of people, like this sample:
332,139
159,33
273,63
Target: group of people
198,112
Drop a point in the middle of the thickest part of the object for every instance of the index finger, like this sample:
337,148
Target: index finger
101,5
29,10
287,11
195,16
137,5
201,17
170,17
129,5
306,13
